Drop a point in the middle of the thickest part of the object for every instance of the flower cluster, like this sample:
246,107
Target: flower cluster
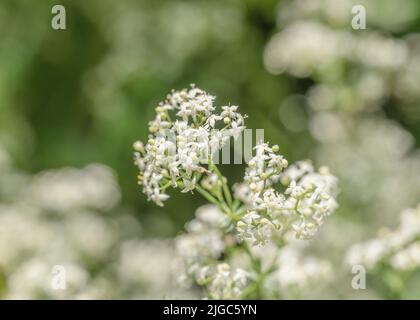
178,150
70,189
301,208
313,41
210,256
310,48
70,220
223,282
272,203
398,249
177,155
295,271
374,161
199,251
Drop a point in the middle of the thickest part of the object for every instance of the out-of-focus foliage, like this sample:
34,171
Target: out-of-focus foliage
349,98
66,227
81,95
360,90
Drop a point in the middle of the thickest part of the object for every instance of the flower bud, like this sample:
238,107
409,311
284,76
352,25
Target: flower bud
138,146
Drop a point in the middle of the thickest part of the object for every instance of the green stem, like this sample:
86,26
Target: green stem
225,188
207,195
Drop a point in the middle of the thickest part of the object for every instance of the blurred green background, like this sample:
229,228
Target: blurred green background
84,94
347,98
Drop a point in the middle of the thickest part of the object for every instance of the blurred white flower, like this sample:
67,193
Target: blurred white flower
67,189
296,271
398,248
227,283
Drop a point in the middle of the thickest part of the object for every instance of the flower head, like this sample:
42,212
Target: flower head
308,199
183,137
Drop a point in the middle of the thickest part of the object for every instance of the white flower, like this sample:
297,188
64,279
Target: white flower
297,271
407,259
398,248
66,189
256,228
226,283
179,150
258,213
212,216
158,197
189,185
203,244
307,200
